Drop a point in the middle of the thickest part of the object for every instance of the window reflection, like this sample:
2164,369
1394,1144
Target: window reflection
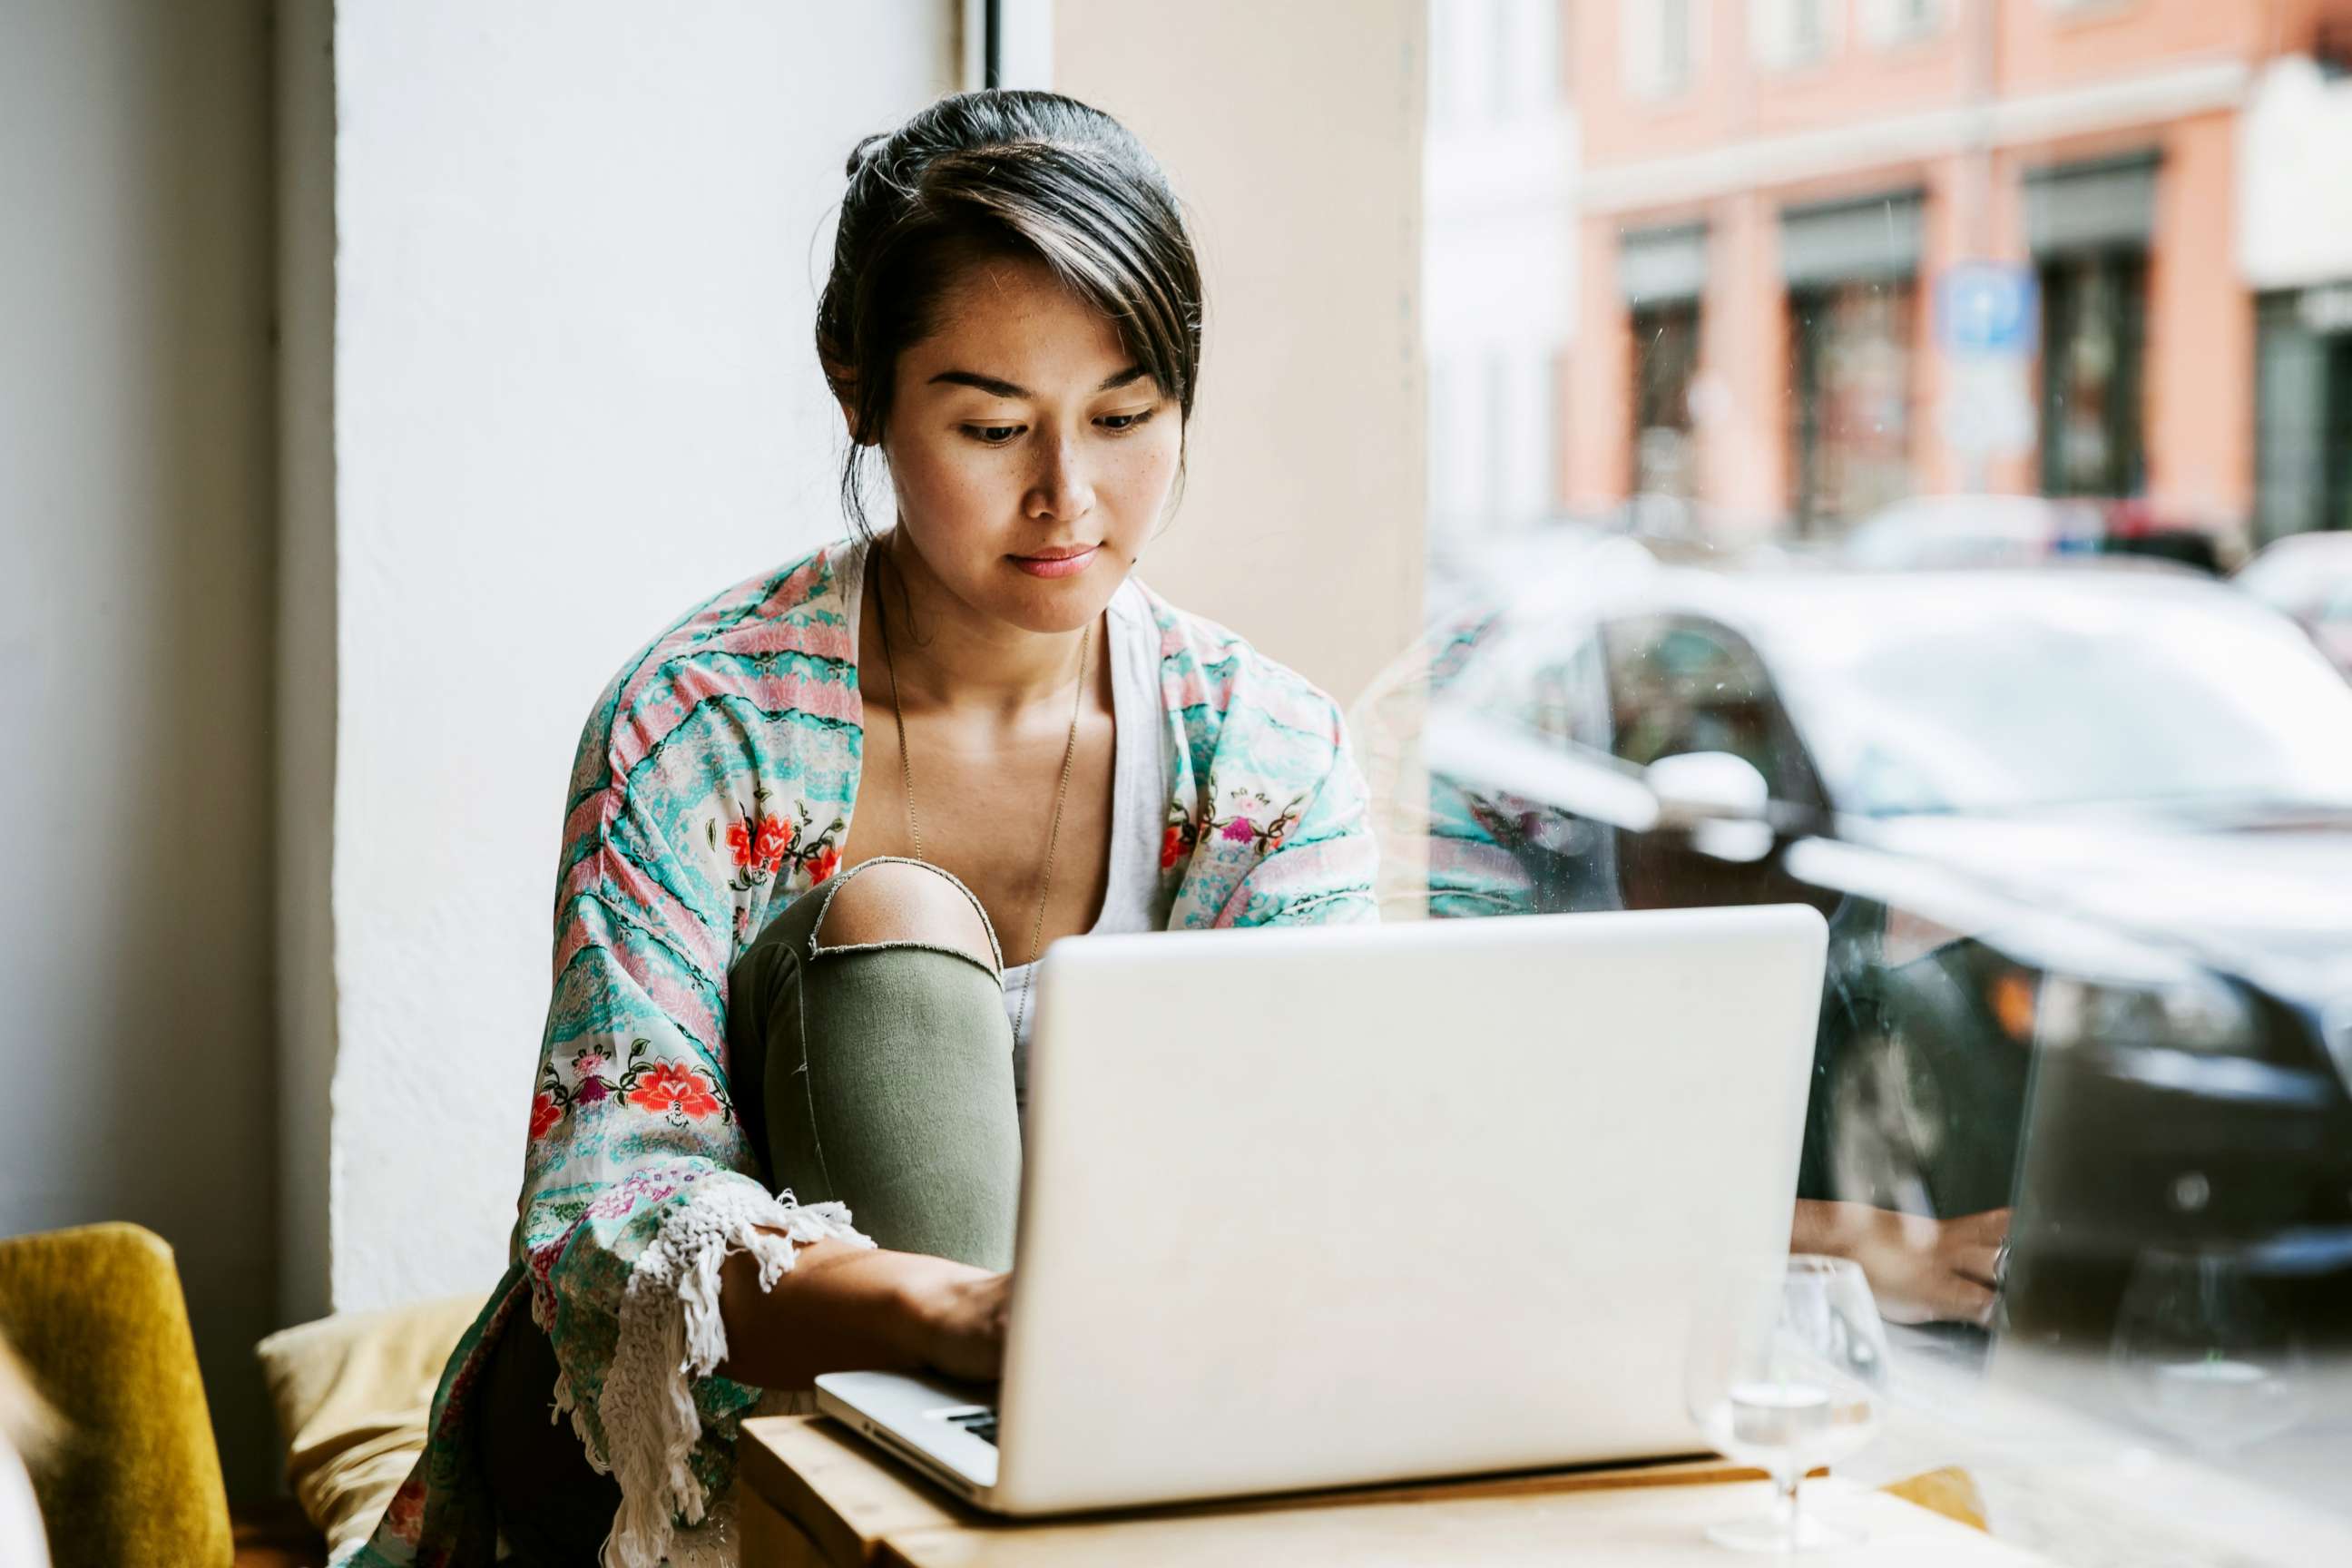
1950,526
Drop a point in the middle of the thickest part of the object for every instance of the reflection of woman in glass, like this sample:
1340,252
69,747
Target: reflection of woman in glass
775,1127
1488,853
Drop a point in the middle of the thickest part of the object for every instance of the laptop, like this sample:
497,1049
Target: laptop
1317,1208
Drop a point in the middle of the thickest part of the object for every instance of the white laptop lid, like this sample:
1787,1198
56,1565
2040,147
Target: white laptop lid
1316,1207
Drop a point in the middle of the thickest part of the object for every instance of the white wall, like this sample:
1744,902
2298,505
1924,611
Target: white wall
136,440
573,393
2295,202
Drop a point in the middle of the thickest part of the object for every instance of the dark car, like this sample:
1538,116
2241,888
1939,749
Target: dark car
2084,836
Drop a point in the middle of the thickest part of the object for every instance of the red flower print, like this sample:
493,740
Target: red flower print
406,1514
544,1114
823,863
1239,830
1172,847
739,842
769,843
670,1088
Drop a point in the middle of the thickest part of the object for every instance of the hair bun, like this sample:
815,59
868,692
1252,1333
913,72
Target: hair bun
867,150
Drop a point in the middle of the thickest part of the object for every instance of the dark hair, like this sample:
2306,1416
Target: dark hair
1001,174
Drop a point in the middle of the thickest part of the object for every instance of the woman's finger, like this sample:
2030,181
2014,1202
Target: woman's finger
1977,1261
1965,1301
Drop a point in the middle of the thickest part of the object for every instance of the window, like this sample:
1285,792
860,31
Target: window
1662,45
1852,268
1850,412
1790,35
2093,309
1892,24
1665,361
2302,430
1882,348
2090,226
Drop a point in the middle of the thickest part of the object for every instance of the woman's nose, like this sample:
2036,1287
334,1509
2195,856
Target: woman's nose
1062,491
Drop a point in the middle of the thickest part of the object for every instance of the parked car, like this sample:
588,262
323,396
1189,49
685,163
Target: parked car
2083,838
2309,578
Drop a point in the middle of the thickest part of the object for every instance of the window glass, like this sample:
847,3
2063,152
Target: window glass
1944,520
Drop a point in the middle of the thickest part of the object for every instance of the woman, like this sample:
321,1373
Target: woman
810,824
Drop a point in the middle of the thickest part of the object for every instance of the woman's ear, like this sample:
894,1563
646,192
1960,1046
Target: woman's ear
844,382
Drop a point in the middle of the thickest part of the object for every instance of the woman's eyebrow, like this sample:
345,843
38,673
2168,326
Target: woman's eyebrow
988,384
996,387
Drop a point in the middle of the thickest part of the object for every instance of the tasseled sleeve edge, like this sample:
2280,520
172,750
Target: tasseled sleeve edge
671,1335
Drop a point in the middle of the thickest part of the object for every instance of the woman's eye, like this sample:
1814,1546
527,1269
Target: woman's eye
992,434
1115,423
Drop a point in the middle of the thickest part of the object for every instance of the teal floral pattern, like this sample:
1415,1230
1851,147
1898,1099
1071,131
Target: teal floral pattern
715,782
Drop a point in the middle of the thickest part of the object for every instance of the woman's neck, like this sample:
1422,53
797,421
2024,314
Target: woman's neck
944,654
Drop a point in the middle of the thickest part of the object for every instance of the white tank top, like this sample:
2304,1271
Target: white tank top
1143,777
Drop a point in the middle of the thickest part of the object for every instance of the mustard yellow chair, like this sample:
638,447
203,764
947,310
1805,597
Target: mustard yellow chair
97,1317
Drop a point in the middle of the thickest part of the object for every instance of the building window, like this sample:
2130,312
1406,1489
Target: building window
2093,307
2089,226
1660,42
1665,359
1852,270
1790,35
1850,352
1891,24
2303,423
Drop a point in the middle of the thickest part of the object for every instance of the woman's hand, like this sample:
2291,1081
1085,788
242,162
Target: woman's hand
847,1308
1920,1269
960,1319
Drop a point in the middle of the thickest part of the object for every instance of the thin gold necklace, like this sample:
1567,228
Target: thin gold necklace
1061,794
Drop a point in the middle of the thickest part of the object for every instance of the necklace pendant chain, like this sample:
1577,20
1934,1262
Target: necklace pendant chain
1061,792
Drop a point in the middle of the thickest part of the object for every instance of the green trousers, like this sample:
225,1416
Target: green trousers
879,1074
882,1077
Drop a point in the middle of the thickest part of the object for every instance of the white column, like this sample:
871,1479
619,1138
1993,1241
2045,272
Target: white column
576,253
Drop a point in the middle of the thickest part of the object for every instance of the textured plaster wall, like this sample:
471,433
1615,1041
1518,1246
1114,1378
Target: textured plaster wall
578,250
136,546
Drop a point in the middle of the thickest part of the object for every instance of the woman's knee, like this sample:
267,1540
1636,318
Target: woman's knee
889,903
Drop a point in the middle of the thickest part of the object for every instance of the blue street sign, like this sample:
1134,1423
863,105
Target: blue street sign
1985,308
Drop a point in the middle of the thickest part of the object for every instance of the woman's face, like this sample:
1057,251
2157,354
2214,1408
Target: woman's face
1030,452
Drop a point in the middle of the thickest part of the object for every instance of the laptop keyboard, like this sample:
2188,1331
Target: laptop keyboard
980,1424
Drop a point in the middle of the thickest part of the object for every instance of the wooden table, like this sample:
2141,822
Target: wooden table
814,1496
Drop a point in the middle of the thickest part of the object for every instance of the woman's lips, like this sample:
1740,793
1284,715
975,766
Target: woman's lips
1057,564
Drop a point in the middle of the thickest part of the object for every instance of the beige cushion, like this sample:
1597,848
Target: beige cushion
352,1394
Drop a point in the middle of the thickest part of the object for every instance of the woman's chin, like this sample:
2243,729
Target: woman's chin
1050,605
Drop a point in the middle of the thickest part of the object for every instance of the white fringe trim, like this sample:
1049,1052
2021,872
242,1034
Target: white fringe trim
670,1335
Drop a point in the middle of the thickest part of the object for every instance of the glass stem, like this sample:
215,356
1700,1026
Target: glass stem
1786,1504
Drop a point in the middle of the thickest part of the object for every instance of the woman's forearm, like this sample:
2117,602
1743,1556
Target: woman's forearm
1853,1230
845,1308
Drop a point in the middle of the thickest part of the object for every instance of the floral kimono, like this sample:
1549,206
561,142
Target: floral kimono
715,783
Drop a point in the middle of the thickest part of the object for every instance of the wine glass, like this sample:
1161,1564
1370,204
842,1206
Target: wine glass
1787,1364
2200,1354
